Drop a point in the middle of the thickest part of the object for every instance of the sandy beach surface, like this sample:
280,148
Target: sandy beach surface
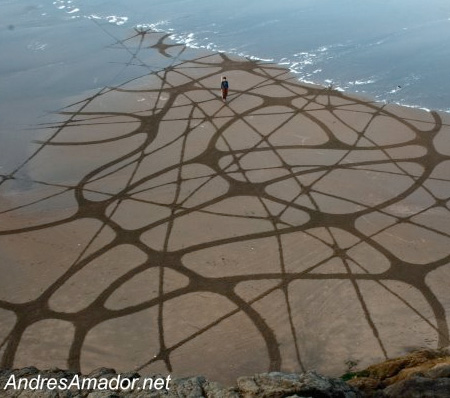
155,227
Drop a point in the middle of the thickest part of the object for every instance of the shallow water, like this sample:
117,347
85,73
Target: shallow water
391,51
371,47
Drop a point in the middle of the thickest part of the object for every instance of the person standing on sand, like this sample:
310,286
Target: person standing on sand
224,88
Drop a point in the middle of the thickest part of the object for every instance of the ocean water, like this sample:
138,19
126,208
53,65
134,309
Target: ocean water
390,50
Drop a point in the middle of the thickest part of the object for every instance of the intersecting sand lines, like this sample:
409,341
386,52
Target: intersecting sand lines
158,228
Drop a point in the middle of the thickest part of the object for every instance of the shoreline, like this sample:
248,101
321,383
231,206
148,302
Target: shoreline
188,40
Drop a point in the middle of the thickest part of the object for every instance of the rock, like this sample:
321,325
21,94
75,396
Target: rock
130,375
420,374
366,384
419,387
418,360
28,371
190,387
439,370
102,372
103,394
216,390
383,378
309,384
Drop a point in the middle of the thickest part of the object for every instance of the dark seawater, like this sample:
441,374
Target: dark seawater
390,50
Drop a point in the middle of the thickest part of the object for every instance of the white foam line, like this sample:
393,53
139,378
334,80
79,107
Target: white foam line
190,40
296,67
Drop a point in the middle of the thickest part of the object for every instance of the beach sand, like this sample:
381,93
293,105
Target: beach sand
157,228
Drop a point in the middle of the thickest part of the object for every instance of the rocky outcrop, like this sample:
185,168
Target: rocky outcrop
423,373
418,375
280,385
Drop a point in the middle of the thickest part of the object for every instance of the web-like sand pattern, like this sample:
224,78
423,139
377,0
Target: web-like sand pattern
160,229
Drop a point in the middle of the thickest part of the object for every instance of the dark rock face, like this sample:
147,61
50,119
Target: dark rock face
280,385
419,387
438,371
424,373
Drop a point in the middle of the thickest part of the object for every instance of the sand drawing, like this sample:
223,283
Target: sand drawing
157,228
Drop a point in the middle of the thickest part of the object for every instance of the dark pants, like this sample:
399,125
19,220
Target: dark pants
224,93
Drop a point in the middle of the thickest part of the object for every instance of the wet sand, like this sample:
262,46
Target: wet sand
155,227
